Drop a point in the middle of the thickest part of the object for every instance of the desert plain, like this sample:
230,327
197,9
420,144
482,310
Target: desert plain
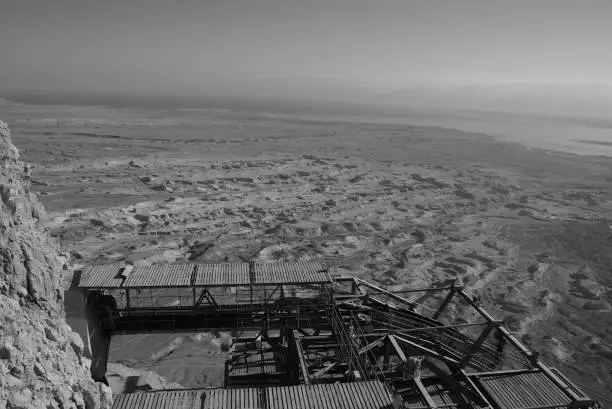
527,228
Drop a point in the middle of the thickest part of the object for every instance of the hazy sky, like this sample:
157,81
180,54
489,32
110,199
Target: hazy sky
132,45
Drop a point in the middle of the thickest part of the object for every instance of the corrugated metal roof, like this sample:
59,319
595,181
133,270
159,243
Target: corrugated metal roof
222,274
217,274
523,390
290,272
414,400
101,276
159,400
353,395
162,275
241,398
440,394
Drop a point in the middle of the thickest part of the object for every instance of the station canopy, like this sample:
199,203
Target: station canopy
116,276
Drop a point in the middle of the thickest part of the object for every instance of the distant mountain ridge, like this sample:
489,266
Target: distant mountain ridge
338,96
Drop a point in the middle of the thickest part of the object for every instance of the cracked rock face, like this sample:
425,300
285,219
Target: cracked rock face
41,365
29,259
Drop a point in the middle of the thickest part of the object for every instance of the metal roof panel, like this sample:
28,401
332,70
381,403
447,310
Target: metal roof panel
313,271
221,274
239,398
529,389
352,395
101,276
174,399
161,275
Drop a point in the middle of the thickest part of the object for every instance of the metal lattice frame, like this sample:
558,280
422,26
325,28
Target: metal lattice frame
370,333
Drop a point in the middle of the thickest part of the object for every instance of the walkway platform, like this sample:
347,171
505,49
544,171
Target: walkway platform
356,395
305,338
174,399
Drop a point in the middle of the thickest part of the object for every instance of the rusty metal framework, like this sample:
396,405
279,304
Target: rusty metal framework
295,326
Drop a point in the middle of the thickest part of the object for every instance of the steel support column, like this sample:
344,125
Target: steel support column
301,358
455,288
430,402
478,343
506,333
388,347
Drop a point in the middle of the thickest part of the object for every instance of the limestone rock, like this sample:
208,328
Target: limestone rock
76,343
20,399
40,357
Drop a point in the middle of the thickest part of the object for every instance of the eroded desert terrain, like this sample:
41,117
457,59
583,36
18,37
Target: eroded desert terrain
528,230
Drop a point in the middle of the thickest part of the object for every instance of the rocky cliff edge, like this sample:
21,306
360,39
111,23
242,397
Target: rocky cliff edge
41,361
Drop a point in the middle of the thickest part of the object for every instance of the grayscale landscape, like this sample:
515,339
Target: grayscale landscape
527,228
409,144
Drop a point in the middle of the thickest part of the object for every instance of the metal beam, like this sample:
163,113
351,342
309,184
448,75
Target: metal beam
273,292
414,290
348,298
499,351
580,401
446,301
371,345
427,351
343,278
430,402
507,334
477,395
461,391
412,304
325,370
478,343
301,358
358,288
200,298
418,329
387,354
503,372
209,298
352,303
303,332
248,353
397,348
